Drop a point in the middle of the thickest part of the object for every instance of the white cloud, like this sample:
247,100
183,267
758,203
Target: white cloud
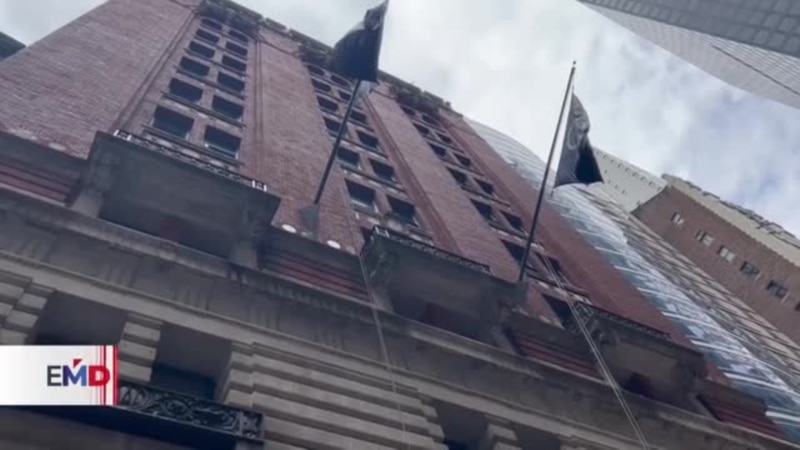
506,66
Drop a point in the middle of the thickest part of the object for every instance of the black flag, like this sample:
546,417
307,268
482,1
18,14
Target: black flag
356,54
578,164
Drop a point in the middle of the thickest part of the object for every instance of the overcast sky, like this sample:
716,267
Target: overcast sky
505,62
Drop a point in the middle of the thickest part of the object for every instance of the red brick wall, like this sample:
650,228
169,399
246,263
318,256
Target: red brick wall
62,89
657,215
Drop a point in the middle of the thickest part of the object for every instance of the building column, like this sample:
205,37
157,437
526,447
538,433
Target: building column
96,182
137,347
499,436
236,385
21,304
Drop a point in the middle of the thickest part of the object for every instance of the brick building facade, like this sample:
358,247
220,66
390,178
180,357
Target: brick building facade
153,159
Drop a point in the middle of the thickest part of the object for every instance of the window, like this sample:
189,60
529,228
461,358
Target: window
487,188
183,381
726,253
227,108
327,105
238,36
408,111
749,270
553,267
445,139
403,211
201,50
171,122
345,96
440,151
678,219
466,162
382,170
234,64
460,177
777,290
237,50
332,125
229,82
422,130
484,210
220,141
185,90
340,81
361,197
516,251
320,86
211,24
348,158
704,238
430,120
316,71
514,221
194,67
367,139
204,35
359,117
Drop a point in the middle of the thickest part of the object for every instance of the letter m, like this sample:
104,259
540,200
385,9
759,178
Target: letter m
78,378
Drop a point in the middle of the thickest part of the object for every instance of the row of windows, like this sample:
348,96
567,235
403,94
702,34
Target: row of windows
747,269
208,53
178,126
365,199
202,71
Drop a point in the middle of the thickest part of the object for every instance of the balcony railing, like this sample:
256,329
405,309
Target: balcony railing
586,312
189,410
197,162
430,249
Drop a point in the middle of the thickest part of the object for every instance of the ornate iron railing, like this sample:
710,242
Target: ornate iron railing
585,312
189,410
427,248
177,154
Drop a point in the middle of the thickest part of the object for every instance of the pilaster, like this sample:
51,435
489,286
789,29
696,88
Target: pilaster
138,346
499,436
21,305
236,387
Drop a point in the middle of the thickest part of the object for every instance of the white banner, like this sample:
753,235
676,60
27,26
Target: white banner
58,375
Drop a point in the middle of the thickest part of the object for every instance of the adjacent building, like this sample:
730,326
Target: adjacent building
629,185
9,46
751,44
154,156
755,259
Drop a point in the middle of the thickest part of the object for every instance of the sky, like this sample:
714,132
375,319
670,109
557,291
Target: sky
505,63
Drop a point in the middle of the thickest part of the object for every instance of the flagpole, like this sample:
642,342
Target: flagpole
524,262
310,214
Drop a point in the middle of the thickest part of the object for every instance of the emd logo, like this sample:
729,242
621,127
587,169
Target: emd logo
78,374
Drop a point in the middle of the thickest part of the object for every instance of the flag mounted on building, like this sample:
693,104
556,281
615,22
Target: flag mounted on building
578,163
356,55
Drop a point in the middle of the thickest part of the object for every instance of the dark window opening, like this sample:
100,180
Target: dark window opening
185,91
327,105
171,122
484,210
238,36
177,380
428,119
227,108
348,158
345,96
514,221
359,117
408,111
749,270
463,429
361,196
316,70
553,267
460,177
466,162
204,35
234,64
487,188
332,125
201,50
445,139
562,311
639,385
320,86
340,81
367,139
422,130
220,141
230,82
194,67
236,49
777,290
440,152
516,251
382,170
403,211
211,24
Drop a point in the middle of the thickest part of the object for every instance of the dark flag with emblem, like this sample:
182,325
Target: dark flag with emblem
356,54
578,164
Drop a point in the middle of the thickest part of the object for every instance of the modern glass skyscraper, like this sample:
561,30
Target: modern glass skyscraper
752,354
751,44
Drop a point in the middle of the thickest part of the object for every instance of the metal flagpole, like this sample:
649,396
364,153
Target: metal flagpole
310,214
542,189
